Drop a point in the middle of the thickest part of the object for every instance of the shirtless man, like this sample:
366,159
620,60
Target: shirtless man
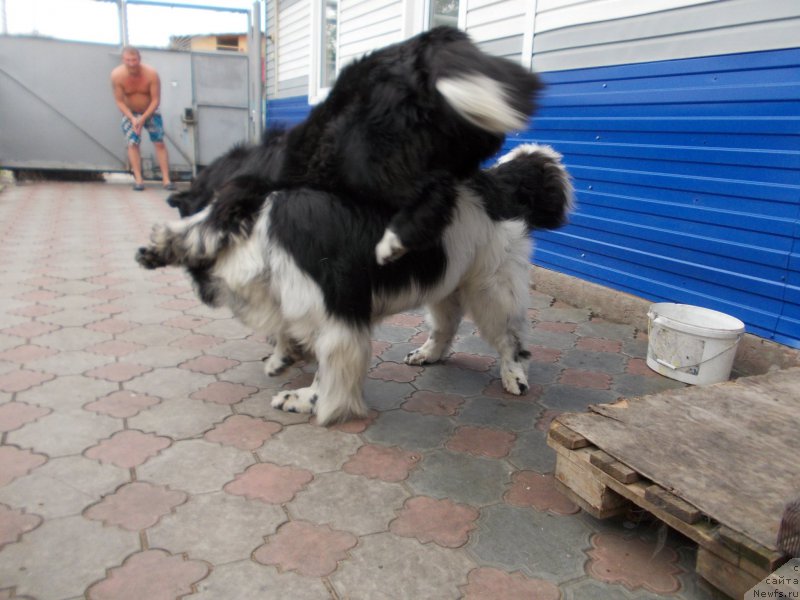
137,92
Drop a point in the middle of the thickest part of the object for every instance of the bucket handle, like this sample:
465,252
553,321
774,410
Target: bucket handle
661,361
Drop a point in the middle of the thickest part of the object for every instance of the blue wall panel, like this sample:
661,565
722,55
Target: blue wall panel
285,112
688,182
687,175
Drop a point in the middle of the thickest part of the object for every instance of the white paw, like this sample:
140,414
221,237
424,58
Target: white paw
389,248
276,363
515,381
303,400
421,356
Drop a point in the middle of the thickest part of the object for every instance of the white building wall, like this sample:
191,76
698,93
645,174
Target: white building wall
497,26
366,25
293,47
571,34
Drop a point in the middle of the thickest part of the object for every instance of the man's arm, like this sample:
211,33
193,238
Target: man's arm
155,96
119,97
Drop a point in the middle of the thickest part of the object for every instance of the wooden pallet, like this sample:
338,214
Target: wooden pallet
604,487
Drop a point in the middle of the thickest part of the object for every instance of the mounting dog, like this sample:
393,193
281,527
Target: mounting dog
398,129
303,270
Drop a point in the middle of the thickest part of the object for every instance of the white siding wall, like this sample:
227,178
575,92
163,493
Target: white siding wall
577,34
294,47
366,25
497,26
549,34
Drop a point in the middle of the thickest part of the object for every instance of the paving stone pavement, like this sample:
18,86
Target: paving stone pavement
140,458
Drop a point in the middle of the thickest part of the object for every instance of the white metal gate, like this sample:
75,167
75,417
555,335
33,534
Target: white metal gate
57,110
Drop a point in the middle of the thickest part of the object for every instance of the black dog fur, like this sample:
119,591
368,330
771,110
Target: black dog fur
398,129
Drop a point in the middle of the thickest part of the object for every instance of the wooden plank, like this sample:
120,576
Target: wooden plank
610,465
596,498
723,575
704,532
566,437
586,506
709,445
751,551
672,504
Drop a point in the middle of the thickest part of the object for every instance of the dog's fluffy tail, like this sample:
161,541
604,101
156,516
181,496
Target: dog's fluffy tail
490,92
531,183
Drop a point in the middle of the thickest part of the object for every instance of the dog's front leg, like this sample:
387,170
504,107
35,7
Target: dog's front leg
343,352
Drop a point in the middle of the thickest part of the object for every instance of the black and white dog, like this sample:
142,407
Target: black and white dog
304,271
398,129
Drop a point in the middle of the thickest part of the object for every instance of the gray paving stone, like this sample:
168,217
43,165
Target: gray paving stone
68,393
248,580
72,338
70,363
169,383
243,350
409,430
473,344
72,302
635,348
393,333
590,588
574,399
72,287
152,335
195,466
349,503
180,418
247,522
65,432
537,543
252,373
513,415
385,567
161,356
7,342
532,453
36,565
398,351
386,395
631,385
607,362
565,315
201,310
76,317
229,329
540,300
147,315
258,405
558,340
606,330
461,477
63,487
543,373
310,447
453,380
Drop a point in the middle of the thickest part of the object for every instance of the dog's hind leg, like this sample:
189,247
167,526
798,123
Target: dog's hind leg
500,312
343,353
444,317
285,354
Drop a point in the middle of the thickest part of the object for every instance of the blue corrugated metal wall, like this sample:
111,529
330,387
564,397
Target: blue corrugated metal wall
688,181
285,112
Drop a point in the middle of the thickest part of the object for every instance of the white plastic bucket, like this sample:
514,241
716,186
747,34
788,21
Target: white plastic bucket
692,344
